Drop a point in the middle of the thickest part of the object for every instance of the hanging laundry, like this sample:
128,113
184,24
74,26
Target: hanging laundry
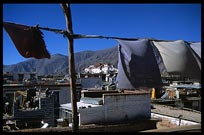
28,40
196,48
179,59
137,65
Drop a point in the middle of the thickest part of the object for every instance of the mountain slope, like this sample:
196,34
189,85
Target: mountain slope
58,64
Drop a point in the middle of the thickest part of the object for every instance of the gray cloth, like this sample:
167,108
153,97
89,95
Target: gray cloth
137,65
179,59
196,48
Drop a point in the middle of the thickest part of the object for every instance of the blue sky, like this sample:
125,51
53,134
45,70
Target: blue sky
160,21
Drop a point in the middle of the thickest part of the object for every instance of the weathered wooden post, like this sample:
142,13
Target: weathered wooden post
67,12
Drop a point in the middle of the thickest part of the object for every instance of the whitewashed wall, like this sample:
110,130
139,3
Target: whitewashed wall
91,115
127,107
118,107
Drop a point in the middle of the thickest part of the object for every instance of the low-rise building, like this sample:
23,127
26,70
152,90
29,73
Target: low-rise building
99,107
19,77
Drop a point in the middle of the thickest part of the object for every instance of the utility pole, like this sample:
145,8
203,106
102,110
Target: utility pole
67,12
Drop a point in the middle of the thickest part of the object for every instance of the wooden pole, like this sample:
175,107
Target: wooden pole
75,121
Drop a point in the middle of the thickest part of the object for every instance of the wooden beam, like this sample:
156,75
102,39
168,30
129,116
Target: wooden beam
75,121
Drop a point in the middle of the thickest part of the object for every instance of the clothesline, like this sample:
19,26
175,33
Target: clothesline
78,36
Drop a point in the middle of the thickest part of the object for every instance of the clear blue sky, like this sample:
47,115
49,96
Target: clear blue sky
160,21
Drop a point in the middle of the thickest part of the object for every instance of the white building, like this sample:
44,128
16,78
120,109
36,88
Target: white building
100,68
111,107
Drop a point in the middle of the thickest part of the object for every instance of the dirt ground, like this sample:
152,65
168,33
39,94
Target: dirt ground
165,124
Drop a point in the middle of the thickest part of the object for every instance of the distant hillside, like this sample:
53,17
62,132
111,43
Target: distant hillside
58,64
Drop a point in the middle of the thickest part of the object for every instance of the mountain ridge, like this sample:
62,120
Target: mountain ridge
58,63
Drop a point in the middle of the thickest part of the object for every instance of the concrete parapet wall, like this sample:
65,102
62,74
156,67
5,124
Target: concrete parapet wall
118,107
127,107
91,115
